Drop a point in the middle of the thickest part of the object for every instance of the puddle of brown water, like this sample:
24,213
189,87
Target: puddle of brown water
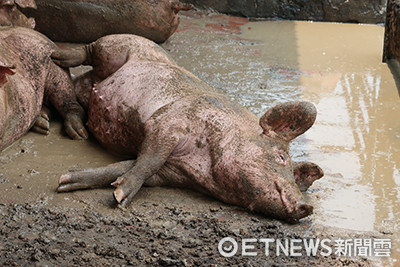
337,67
356,138
30,167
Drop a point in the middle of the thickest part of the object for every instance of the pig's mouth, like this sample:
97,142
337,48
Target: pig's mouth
295,211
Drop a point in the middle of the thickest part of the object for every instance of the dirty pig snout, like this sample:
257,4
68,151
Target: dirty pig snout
294,203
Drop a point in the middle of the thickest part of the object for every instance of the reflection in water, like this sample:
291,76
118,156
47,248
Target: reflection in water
356,138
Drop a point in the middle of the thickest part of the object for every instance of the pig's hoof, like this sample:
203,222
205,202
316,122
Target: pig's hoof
74,127
42,123
41,126
126,189
68,183
119,195
121,199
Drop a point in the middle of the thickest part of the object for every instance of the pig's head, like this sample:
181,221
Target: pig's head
263,170
10,15
164,17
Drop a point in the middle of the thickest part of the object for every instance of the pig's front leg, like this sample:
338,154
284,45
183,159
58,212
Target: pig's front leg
155,150
59,91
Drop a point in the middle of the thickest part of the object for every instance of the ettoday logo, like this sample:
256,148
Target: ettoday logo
229,247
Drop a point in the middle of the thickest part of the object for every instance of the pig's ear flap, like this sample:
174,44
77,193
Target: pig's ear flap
305,173
4,71
26,3
288,120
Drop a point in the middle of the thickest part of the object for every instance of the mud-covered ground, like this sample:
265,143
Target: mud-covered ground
162,227
150,234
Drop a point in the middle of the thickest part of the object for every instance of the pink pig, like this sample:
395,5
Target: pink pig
182,133
28,78
85,21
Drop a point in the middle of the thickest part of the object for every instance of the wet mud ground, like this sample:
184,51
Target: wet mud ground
163,226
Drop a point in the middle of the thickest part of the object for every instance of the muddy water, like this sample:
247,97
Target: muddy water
356,138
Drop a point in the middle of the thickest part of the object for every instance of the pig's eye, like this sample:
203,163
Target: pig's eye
282,158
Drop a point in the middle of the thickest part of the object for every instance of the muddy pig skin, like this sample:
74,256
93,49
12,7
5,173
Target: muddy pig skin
87,20
27,78
184,134
10,15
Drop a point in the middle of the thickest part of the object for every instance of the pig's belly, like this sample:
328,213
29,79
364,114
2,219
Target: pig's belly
121,104
118,108
116,126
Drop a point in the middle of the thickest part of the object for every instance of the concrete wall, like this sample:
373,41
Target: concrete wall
363,11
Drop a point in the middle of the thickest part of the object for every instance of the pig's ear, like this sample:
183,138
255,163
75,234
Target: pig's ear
305,173
288,120
4,71
26,3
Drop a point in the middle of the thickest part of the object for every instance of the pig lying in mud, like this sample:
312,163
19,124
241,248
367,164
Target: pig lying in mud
183,133
87,20
27,77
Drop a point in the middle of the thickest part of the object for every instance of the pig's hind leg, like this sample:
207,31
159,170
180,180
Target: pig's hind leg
93,178
77,179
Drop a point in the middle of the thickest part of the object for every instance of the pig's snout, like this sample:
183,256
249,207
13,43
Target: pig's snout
303,210
299,211
295,207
